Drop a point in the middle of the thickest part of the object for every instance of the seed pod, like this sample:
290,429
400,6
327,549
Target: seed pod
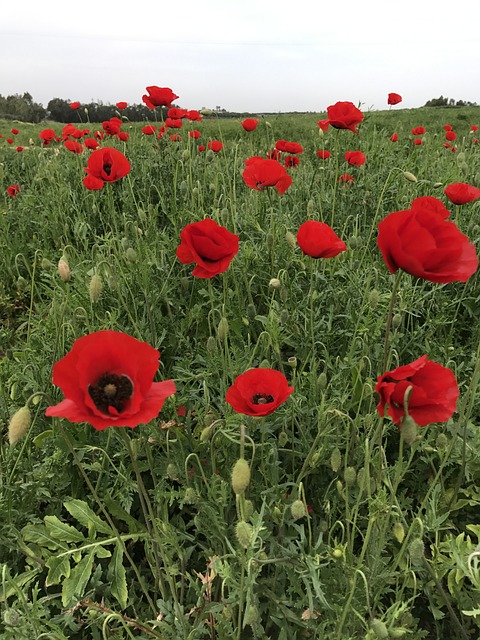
244,534
240,476
409,176
19,425
95,288
298,510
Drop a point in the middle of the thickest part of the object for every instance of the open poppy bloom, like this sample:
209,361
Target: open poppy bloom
209,245
346,178
291,161
462,193
258,392
74,105
173,123
159,97
13,190
215,146
394,98
419,131
105,165
394,137
433,397
250,124
289,147
91,143
323,154
73,146
121,105
195,134
421,242
318,240
260,173
193,115
107,381
417,142
344,115
429,203
355,158
149,129
112,126
176,113
47,135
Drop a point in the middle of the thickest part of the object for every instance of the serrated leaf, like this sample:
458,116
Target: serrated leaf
86,516
101,552
118,581
62,531
39,534
58,567
73,587
13,585
116,510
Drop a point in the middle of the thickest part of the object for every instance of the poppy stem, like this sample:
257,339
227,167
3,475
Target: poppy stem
388,326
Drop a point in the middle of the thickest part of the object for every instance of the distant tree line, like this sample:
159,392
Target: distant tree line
449,102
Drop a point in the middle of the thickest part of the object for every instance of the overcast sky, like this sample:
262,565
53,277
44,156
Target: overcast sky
248,55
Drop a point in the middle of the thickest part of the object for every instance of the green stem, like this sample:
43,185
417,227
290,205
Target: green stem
391,306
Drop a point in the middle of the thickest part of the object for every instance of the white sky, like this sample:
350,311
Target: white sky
253,55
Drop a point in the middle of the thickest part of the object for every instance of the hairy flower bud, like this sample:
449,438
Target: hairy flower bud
244,534
222,329
64,269
379,628
336,459
298,510
350,476
95,288
398,532
240,476
291,240
19,425
409,176
416,551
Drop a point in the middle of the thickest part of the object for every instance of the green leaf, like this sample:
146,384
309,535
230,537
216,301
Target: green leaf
62,531
74,586
40,439
58,567
101,552
39,534
82,512
118,581
116,510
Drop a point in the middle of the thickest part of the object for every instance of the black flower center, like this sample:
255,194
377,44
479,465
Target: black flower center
111,390
262,398
107,168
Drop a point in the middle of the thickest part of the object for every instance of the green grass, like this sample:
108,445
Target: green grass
355,562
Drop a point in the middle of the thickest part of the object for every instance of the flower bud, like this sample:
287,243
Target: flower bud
291,240
322,381
379,628
211,344
442,442
21,283
185,283
297,509
46,264
284,316
416,551
240,476
190,496
172,471
64,269
244,534
222,329
183,187
248,509
95,288
337,554
275,283
350,476
336,459
19,425
397,320
373,299
398,532
131,255
353,242
409,430
206,433
264,364
186,154
409,176
282,439
310,207
252,615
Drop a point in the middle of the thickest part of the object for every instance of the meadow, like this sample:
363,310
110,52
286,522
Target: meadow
290,513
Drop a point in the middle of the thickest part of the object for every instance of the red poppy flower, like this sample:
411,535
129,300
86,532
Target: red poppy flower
447,127
73,146
195,134
347,178
323,154
13,190
450,135
209,245
461,193
123,136
176,113
201,147
418,141
447,145
474,127
434,392
106,165
175,137
274,154
99,135
291,161
15,131
159,97
47,135
429,203
424,244
289,147
324,124
394,98
10,140
121,105
149,129
419,131
107,381
74,105
344,115
194,115
112,126
394,137
250,124
475,141
215,146
173,123
18,149
260,173
453,149
318,240
355,158
91,143
258,392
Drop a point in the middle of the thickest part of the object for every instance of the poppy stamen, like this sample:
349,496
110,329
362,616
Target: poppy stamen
107,168
262,398
111,390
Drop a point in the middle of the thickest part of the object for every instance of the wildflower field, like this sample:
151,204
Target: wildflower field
239,371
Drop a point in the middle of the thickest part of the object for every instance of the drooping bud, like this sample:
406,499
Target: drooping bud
222,329
275,283
298,510
244,533
206,433
46,264
322,381
398,532
172,471
131,255
190,496
240,476
409,430
248,509
416,551
64,269
291,240
95,288
282,439
409,176
19,425
397,320
373,299
211,344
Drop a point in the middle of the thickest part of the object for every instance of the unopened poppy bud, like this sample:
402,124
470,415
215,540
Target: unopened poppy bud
409,176
408,430
373,299
125,243
336,459
397,633
322,381
222,329
131,255
442,442
291,240
225,215
195,191
270,240
190,496
275,283
416,551
284,316
211,344
323,526
398,532
185,283
297,509
310,207
183,187
379,629
251,311
315,459
172,471
397,320
337,553
350,476
21,283
282,439
248,509
277,515
206,433
63,270
339,485
186,154
240,476
11,617
46,264
252,615
244,534
267,124
353,242
95,288
19,425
